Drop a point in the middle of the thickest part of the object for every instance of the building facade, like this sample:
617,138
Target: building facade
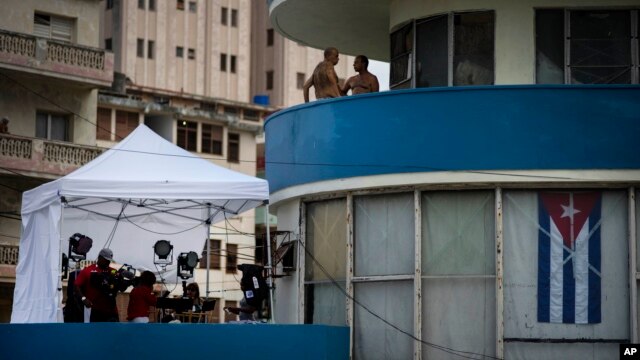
51,66
484,208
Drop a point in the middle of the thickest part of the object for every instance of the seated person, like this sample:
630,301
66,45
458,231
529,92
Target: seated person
141,298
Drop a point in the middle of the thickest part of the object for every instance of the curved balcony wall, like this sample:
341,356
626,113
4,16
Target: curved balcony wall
524,127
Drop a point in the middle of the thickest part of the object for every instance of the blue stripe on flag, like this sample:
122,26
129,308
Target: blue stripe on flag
594,260
568,291
544,264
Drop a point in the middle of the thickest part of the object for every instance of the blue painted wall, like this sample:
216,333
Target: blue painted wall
522,127
111,341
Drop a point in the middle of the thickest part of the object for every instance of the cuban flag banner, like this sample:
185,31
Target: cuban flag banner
569,276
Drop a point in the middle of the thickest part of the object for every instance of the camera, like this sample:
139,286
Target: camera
115,280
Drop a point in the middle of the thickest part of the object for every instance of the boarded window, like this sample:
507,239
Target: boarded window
126,122
103,132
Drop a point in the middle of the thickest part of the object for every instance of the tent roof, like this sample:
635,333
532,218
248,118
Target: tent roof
146,166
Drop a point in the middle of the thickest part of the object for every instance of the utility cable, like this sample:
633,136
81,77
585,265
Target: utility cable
460,353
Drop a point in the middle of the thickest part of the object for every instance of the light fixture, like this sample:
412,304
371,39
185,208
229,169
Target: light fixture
79,246
186,263
161,250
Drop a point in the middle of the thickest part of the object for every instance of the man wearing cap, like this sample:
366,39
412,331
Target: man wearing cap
89,287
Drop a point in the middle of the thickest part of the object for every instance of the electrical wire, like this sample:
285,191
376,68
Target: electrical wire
393,166
452,351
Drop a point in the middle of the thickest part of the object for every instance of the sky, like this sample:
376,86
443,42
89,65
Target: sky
381,70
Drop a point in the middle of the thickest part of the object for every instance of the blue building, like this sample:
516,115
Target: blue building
486,206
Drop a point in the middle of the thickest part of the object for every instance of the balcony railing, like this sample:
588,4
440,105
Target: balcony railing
44,157
8,254
55,58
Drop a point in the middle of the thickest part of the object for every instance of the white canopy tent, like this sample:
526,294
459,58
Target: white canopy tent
142,190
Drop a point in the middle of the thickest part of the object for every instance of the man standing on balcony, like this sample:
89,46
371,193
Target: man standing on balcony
324,78
4,126
364,82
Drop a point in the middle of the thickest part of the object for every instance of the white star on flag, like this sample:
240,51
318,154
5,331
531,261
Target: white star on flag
569,211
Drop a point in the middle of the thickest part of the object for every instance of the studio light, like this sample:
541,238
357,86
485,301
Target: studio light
79,245
161,250
186,263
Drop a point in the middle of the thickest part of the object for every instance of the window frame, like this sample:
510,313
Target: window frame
141,4
179,51
234,17
186,126
270,37
223,62
213,142
567,68
224,16
269,80
193,7
191,54
231,145
231,267
151,49
214,256
180,5
232,64
48,126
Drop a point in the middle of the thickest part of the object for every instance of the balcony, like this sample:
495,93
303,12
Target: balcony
430,130
58,59
43,158
8,262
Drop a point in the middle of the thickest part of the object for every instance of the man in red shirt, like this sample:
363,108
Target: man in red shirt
141,298
92,287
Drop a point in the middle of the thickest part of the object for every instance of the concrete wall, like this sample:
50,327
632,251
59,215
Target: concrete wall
514,31
287,291
18,17
20,102
202,31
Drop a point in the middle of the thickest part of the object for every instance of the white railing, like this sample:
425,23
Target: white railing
17,44
15,147
69,154
74,55
8,255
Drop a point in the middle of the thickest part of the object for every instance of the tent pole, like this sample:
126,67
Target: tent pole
269,264
208,224
60,296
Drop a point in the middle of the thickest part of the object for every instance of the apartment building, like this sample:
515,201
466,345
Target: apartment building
51,66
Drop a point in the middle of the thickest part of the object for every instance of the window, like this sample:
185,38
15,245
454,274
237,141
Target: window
600,45
152,5
193,7
223,62
232,258
109,4
233,64
126,122
229,316
53,27
212,139
191,53
234,17
224,15
140,48
214,256
300,78
233,148
52,126
150,49
141,4
108,44
401,48
180,4
269,37
252,115
230,110
451,50
187,135
179,51
270,80
326,239
103,130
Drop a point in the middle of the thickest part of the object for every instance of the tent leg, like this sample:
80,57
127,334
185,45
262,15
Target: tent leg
60,296
269,265
208,224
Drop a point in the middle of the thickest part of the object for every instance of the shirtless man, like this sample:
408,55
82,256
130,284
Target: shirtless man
364,82
324,78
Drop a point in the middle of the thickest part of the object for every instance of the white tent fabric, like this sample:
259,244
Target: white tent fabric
142,190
